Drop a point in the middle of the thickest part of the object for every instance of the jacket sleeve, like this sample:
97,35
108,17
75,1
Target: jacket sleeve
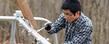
57,25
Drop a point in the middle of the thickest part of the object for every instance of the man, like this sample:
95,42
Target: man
78,27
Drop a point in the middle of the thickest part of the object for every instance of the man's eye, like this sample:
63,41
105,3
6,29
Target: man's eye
66,14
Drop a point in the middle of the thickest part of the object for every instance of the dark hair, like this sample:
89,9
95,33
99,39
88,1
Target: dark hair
72,5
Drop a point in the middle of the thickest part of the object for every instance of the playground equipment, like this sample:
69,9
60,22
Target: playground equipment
19,17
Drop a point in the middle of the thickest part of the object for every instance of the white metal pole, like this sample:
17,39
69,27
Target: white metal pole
4,18
13,32
38,37
33,32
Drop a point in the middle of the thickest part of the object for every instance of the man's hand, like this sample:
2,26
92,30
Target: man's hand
48,26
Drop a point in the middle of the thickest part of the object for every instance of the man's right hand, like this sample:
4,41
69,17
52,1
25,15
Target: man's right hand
48,26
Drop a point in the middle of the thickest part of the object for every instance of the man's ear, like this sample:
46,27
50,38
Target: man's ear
78,13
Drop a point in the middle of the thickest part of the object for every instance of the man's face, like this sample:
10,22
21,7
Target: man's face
69,16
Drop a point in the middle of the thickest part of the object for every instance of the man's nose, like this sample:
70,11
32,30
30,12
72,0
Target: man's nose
66,17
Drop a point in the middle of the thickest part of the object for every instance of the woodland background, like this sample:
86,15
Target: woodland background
96,10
